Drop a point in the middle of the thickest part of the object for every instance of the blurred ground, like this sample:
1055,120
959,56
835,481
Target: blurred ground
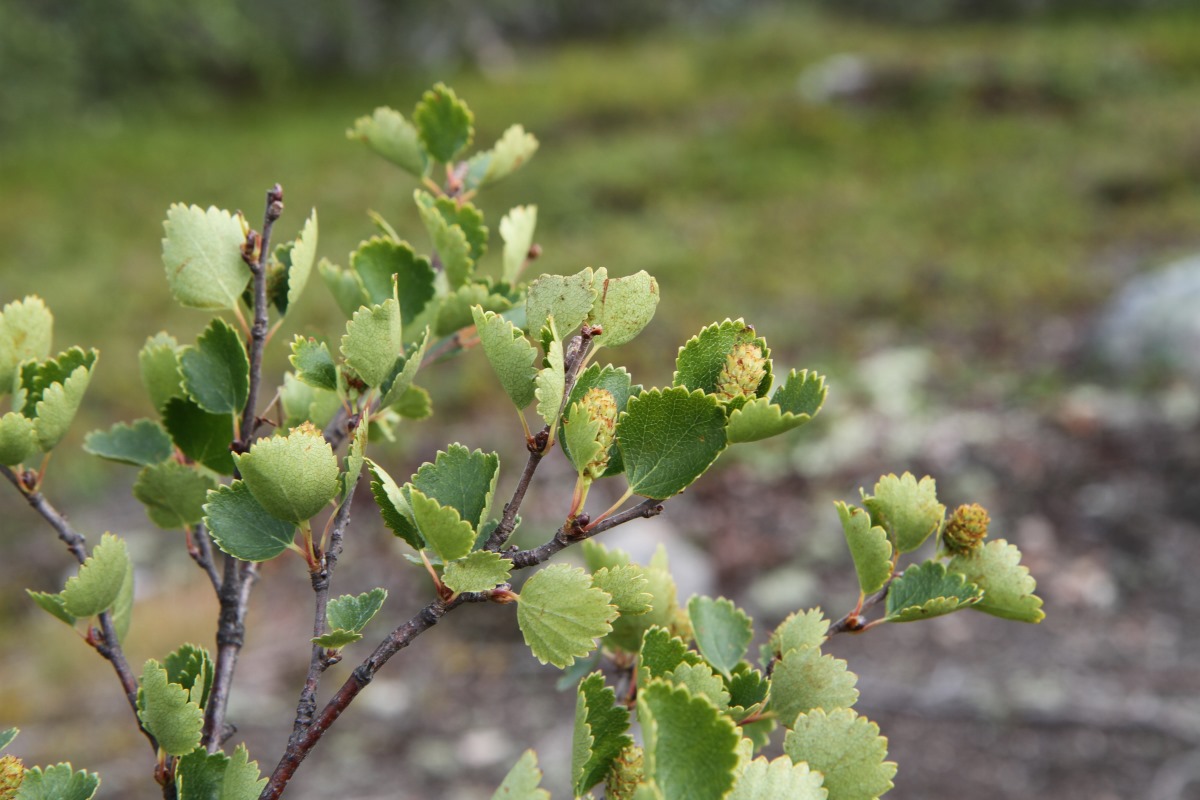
934,216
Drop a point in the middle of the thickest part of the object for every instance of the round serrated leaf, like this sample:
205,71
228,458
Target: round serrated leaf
445,123
159,365
690,746
792,405
313,363
516,229
561,614
59,782
668,438
99,581
615,381
462,479
442,527
217,776
173,493
390,135
166,711
202,254
623,307
907,509
627,584
293,477
599,734
56,410
701,681
510,353
353,612
477,572
722,630
143,443
373,341
298,258
521,782
763,780
26,330
869,547
847,749
701,359
243,528
202,436
800,629
566,298
513,149
1007,585
17,440
927,590
385,265
805,679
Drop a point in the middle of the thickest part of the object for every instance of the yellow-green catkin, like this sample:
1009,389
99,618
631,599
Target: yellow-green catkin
743,372
625,774
966,529
600,405
12,773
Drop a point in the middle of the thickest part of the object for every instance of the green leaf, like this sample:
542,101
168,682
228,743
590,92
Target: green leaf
385,266
143,443
7,736
480,571
463,214
521,782
404,372
615,381
99,581
805,679
373,342
293,477
242,528
703,357
304,403
26,330
690,746
17,439
561,614
159,363
627,586
354,459
53,604
345,286
461,479
444,123
668,438
701,681
747,686
202,254
909,511
801,629
566,298
551,384
415,403
1007,586
122,607
38,376
579,438
516,229
173,493
661,654
313,363
390,135
722,630
297,259
394,507
763,780
201,776
451,242
192,668
928,590
792,405
166,711
628,630
847,749
600,733
623,307
510,353
352,613
202,436
869,547
447,533
513,149
51,391
455,311
337,638
59,782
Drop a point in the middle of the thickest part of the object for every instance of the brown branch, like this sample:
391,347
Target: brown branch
854,622
258,331
572,533
200,549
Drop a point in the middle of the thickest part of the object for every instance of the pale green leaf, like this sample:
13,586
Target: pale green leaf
869,547
304,403
373,342
778,779
566,298
580,438
203,776
701,681
442,527
461,479
615,381
337,638
17,439
26,331
561,614
202,254
847,749
167,713
628,630
792,405
722,630
404,372
344,285
313,363
159,365
451,241
415,403
191,667
478,572
522,781
703,357
690,746
7,735
53,604
928,590
513,149
668,438
241,527
56,409
801,629
353,612
516,229
1007,585
298,258
59,782
510,353
623,307
551,384
35,377
387,266
98,583
354,459
173,493
394,507
202,436
456,309
444,123
599,734
143,443
293,477
390,135
122,607
907,509
661,654
805,679
627,585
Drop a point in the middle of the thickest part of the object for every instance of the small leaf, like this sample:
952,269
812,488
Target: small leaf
668,438
26,331
468,217
928,590
166,711
561,614
455,311
17,439
314,363
627,586
513,149
159,363
510,353
352,613
202,436
373,342
404,371
122,607
337,638
805,679
143,443
551,384
723,631
447,533
303,403
354,459
792,405
444,123
623,307
293,477
690,746
297,258
701,681
7,735
516,229
703,357
566,298
99,581
37,376
394,507
414,404
615,381
173,493
600,733
53,604
452,243
192,668
480,571
461,479
1007,585
345,286
202,254
58,402
201,776
909,511
747,687
59,782
385,266
242,528
390,135
801,629
521,782
847,749
661,654
628,630
869,547
763,780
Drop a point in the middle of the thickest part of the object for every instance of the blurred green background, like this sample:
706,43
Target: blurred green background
967,181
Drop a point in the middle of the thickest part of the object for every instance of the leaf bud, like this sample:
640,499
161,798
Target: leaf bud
600,405
966,529
625,774
744,370
12,773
